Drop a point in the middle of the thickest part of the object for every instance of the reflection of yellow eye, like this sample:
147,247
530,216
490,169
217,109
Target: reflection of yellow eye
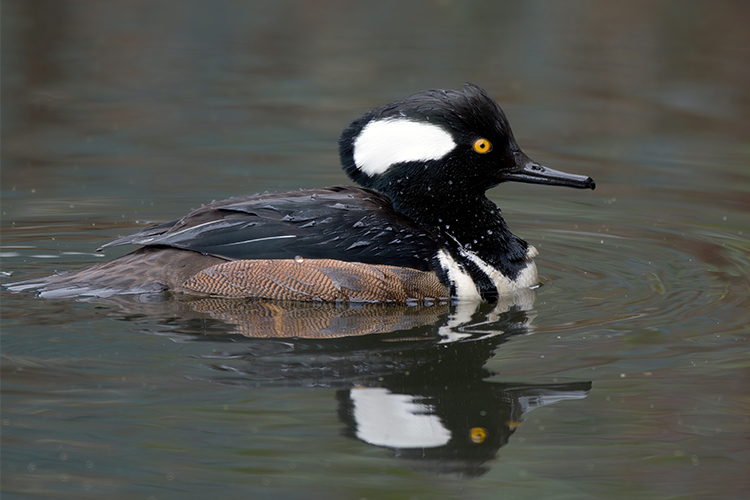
482,146
478,435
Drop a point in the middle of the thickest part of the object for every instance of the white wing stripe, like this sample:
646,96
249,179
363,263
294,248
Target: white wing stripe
261,239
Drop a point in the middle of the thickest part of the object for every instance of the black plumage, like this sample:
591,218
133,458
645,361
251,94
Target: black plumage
339,222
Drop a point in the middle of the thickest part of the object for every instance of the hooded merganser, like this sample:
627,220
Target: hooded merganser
420,228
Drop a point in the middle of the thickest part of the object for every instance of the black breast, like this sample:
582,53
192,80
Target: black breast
343,223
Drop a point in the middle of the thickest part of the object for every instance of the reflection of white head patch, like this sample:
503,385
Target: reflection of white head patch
396,420
383,143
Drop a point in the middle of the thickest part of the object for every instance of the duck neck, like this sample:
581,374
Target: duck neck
473,226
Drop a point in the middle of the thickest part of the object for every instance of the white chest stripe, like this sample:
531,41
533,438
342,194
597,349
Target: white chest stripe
383,143
465,287
467,290
527,278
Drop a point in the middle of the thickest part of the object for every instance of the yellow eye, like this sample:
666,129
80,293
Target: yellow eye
478,435
482,146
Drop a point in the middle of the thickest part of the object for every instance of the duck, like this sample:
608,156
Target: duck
418,228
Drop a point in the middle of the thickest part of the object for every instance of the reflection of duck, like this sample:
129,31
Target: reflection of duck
440,407
419,392
261,318
458,426
421,228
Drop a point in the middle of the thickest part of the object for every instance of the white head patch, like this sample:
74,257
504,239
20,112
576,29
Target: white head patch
383,143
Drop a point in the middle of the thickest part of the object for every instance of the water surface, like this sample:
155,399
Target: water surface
624,376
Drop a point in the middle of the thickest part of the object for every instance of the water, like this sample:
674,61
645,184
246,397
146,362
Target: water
624,376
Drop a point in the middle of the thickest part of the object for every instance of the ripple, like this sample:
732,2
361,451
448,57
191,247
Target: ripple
655,275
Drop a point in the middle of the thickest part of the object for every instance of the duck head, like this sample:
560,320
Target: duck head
439,148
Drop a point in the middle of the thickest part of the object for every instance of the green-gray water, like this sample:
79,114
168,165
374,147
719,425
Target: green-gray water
624,376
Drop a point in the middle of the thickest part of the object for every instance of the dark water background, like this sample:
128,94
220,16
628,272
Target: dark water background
624,376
